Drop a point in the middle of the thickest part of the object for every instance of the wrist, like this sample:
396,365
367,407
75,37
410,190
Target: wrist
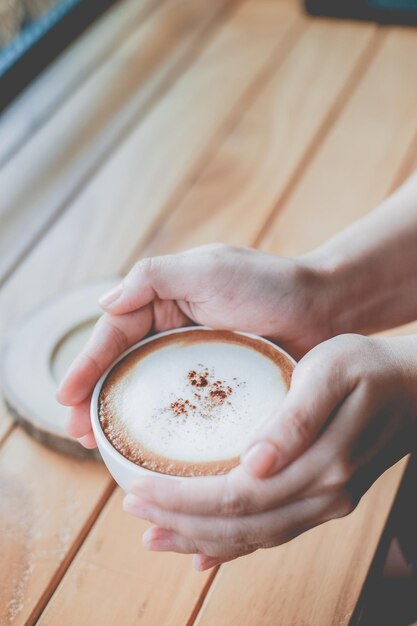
400,354
334,285
401,351
311,298
354,301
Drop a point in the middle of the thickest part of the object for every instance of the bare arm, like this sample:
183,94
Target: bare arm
371,267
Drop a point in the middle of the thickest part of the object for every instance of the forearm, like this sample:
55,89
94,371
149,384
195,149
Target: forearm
371,267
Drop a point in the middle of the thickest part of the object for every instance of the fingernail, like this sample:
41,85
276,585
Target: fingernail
152,488
147,538
134,505
201,565
111,296
141,484
88,441
155,542
63,382
129,501
260,458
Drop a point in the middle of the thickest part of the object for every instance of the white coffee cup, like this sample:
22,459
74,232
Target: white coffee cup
124,471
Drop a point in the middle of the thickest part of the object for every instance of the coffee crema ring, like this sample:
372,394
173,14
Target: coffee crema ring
184,403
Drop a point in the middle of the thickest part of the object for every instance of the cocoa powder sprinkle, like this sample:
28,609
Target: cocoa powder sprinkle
208,392
181,407
198,379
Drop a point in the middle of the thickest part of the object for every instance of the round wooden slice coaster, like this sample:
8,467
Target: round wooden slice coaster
36,356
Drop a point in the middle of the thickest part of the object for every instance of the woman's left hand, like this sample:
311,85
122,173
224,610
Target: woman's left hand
349,415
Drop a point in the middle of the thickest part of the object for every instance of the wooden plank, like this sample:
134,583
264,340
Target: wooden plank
193,226
40,99
85,130
132,584
265,150
43,505
352,172
100,231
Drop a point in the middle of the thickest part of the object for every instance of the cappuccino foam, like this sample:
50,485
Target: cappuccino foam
186,403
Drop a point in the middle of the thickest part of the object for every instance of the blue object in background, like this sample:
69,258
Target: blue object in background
383,11
31,33
398,5
40,42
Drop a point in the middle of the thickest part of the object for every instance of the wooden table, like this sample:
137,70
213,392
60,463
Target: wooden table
171,124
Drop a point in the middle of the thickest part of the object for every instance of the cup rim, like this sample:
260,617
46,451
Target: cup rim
95,422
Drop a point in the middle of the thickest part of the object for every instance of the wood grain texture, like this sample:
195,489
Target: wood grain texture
99,233
151,588
45,499
252,167
112,218
29,111
84,131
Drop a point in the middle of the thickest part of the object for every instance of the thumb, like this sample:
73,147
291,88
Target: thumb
314,394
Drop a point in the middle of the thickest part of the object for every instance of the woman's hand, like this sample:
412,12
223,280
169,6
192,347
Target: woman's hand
216,285
349,415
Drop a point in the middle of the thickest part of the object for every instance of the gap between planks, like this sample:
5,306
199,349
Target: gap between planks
202,596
